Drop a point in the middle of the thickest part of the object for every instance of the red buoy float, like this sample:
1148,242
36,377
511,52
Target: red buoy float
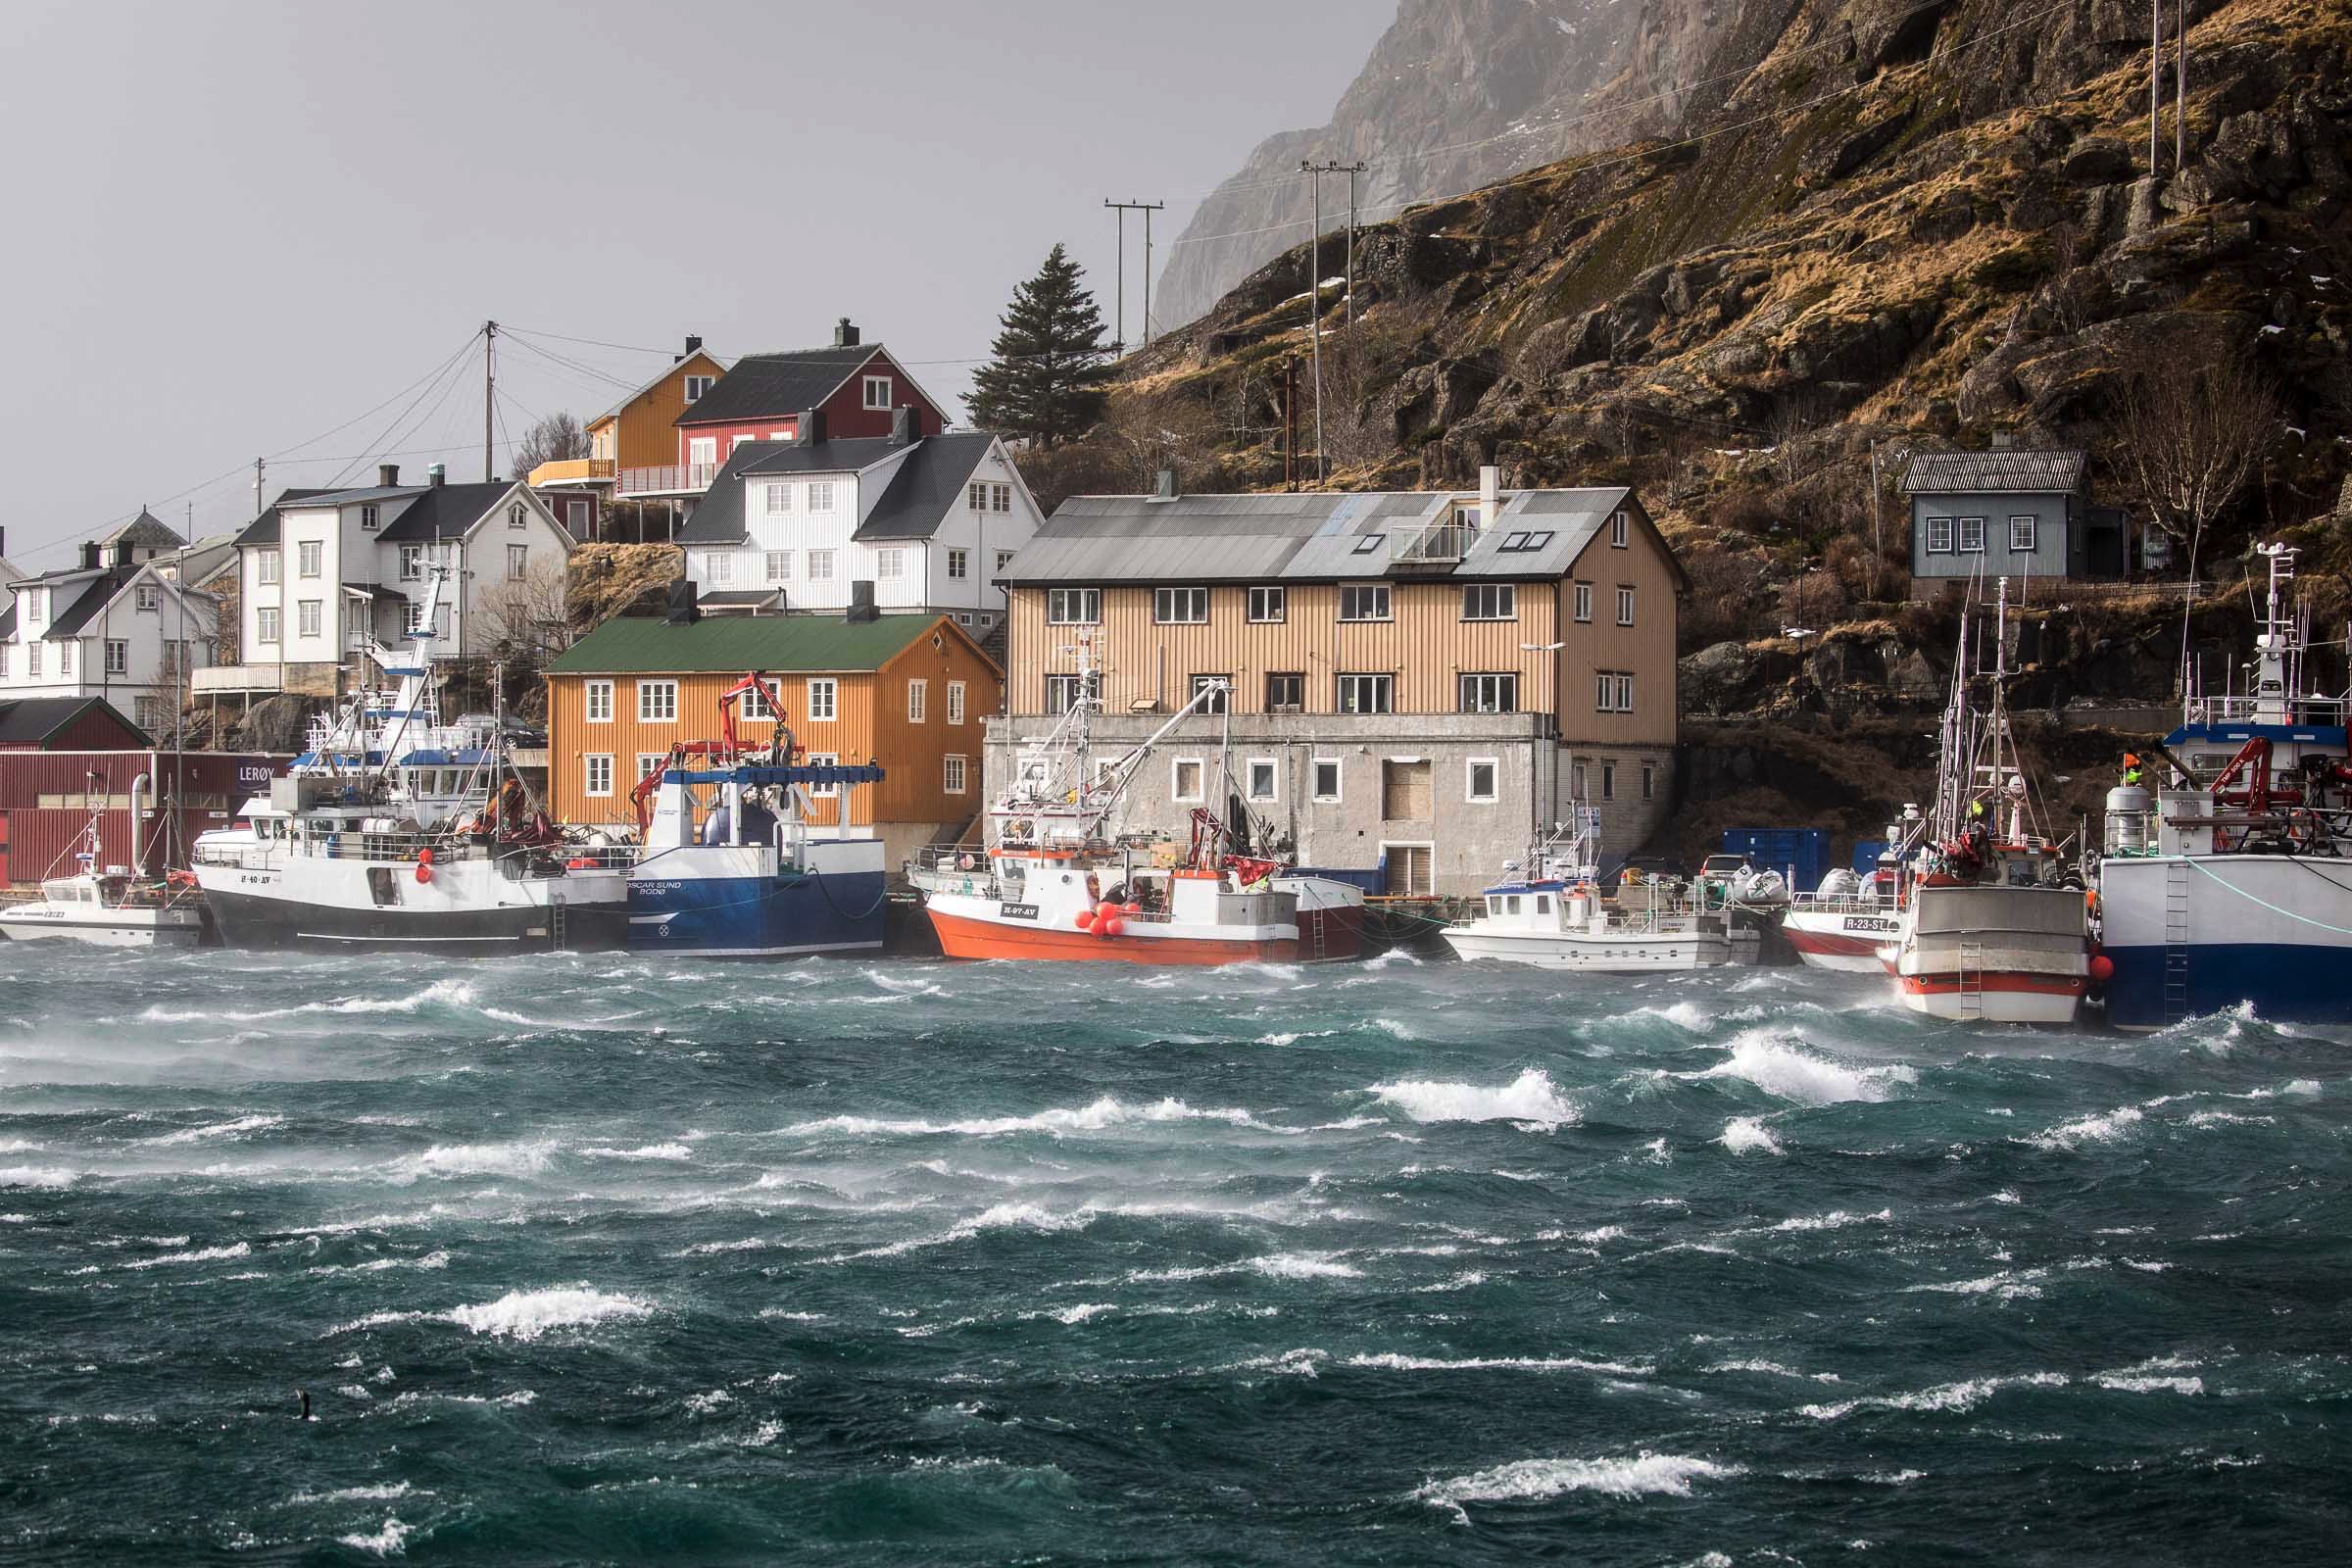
1086,920
2102,968
425,865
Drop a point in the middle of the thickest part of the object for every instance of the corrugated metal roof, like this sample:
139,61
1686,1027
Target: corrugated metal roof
651,645
2006,470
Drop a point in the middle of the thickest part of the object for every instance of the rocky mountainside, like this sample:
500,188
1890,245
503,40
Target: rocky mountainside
1456,94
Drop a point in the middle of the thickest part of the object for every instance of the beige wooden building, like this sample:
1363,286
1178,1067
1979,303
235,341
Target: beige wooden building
1420,682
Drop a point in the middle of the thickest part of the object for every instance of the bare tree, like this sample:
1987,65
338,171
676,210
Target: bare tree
2189,438
529,615
554,439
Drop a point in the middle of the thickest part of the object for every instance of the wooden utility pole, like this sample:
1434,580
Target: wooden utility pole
1351,170
1290,422
258,503
489,394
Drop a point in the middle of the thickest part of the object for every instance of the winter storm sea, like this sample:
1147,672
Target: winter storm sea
594,1260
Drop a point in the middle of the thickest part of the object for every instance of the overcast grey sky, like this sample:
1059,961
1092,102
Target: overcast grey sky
235,225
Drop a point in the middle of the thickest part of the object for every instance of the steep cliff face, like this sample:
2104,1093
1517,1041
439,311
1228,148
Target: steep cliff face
1457,93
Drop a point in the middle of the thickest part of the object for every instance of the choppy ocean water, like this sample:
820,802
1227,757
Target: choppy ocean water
608,1260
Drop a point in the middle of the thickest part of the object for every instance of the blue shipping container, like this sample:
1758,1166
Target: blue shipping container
1799,853
1866,856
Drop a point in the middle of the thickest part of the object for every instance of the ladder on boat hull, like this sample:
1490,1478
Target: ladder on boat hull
2176,941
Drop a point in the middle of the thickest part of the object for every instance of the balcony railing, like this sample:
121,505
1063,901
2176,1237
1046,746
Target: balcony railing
1439,544
668,479
573,471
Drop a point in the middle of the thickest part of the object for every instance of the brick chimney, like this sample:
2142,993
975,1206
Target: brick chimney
694,346
844,334
388,475
89,559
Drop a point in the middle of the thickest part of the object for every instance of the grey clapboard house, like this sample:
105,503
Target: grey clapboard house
2009,512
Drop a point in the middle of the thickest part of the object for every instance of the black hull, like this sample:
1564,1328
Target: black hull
247,921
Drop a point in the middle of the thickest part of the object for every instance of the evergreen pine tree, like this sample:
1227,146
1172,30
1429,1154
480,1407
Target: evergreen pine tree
1046,379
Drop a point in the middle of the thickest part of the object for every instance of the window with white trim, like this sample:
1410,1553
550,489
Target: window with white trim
821,496
1972,537
823,792
719,565
519,516
265,629
518,563
1367,694
1268,605
1612,691
1003,559
4,648
2024,533
777,499
32,655
1583,601
64,657
1939,536
960,564
148,713
650,763
1327,780
265,569
1490,601
1002,496
148,596
1187,780
118,655
1061,691
1180,606
1620,530
1263,776
955,774
310,557
753,704
824,701
976,496
371,517
890,564
877,391
1490,693
657,702
595,702
1364,602
1286,691
411,563
1218,690
412,620
918,701
596,773
820,565
1073,607
697,385
1624,604
1480,780
955,701
779,565
308,615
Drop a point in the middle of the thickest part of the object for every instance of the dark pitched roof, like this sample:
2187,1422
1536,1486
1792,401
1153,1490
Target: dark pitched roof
444,511
928,485
146,531
651,645
264,529
718,519
31,721
763,386
8,620
2005,471
96,597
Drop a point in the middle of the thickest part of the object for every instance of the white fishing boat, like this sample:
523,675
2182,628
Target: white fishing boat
1552,914
1848,922
1997,927
111,907
397,831
1053,881
2232,882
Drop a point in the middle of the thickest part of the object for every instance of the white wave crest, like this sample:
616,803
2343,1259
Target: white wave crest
2013,1286
1747,1135
1303,1266
1835,1219
1391,1361
1533,1479
227,1129
1966,1395
2134,1382
642,1152
389,1542
1787,1072
527,1315
2069,1136
52,1176
353,1494
1102,1115
203,1254
1528,1100
476,1159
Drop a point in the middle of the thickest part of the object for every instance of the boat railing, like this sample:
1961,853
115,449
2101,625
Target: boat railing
2244,709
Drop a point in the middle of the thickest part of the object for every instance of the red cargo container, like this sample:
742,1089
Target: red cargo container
46,798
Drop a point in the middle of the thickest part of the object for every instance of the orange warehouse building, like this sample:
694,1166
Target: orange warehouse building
909,692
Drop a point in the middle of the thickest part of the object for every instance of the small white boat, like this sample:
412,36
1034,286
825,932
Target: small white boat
111,908
1556,917
1850,921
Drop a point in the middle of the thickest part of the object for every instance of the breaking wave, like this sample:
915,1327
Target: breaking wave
1788,1073
1530,1100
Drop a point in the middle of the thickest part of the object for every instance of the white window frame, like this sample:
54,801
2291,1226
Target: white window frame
266,628
1003,498
1621,529
310,618
519,516
595,702
1388,602
659,762
2028,538
918,701
591,785
955,774
1176,792
411,563
890,564
755,706
64,656
1179,607
1469,699
1273,789
955,697
820,495
1066,684
976,496
32,659
657,702
1490,601
1073,607
370,518
310,559
777,500
118,655
411,623
1470,767
1939,536
1625,604
702,452
779,565
1004,559
518,563
697,385
264,575
820,565
1583,602
1269,605
877,392
822,700
1339,688
960,564
147,596
1314,779
719,565
1965,548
